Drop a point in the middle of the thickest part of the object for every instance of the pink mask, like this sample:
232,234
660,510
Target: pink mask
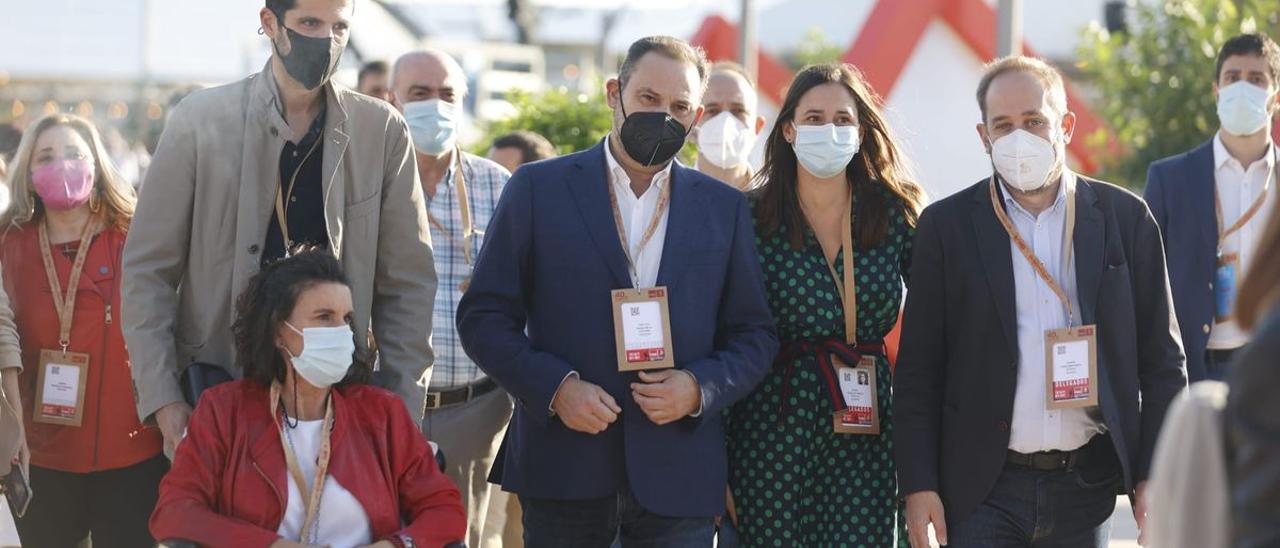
64,184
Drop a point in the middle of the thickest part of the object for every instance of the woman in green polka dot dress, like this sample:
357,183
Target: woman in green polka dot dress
793,480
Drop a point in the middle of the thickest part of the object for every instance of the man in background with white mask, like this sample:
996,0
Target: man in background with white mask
246,171
1039,348
730,125
466,412
1214,201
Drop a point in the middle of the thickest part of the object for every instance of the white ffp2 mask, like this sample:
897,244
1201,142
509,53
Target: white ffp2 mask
1025,160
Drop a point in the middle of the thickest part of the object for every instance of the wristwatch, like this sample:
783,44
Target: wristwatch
402,541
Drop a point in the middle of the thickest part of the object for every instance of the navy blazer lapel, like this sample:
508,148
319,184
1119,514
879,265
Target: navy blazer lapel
687,212
1089,249
1201,195
997,261
589,186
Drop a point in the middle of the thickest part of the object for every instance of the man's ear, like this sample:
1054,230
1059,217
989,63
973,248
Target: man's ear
270,23
613,93
982,134
759,124
1068,126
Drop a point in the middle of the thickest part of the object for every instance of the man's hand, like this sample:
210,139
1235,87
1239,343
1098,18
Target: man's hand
730,508
667,396
584,407
923,508
1140,512
172,420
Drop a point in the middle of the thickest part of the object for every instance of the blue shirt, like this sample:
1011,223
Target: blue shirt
484,180
1034,427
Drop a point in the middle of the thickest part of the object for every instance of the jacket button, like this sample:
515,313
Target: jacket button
1003,426
1206,329
275,132
253,249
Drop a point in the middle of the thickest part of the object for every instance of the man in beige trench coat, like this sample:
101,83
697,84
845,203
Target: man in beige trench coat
341,167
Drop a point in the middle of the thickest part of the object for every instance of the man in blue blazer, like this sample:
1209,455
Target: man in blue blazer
1213,202
594,453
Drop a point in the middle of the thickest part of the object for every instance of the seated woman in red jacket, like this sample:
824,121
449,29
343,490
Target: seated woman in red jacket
255,450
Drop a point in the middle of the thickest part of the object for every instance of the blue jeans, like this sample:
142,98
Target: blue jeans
596,523
1030,508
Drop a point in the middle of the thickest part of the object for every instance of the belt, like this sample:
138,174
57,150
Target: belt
1052,461
1222,356
823,350
456,396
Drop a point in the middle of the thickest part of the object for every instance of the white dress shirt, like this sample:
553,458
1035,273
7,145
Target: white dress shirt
637,213
1035,428
1238,187
342,520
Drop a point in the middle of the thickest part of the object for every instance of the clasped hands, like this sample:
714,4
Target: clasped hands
664,396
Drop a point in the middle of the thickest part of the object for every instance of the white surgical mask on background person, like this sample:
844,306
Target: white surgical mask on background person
825,150
1242,108
433,124
1025,160
326,354
725,141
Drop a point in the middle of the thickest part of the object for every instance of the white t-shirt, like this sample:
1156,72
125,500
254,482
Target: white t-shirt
343,522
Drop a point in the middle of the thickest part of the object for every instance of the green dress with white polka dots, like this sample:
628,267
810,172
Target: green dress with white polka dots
795,481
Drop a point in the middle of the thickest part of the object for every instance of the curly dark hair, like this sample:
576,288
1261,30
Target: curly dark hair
268,302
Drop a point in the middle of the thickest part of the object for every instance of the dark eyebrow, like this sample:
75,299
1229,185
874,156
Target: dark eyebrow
323,311
813,111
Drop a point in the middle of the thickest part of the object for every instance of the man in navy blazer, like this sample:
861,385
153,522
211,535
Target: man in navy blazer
596,454
1236,168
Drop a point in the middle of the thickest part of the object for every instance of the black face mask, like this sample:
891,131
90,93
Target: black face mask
312,60
651,138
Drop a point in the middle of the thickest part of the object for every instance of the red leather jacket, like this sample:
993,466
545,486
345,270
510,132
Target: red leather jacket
228,484
109,436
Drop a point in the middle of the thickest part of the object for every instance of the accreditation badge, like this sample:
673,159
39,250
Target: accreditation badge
642,329
858,387
1224,287
60,388
1071,359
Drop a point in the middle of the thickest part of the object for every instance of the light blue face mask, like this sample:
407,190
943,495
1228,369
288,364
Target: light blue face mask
825,150
1242,108
433,125
326,354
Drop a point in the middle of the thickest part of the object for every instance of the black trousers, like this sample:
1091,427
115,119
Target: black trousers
113,506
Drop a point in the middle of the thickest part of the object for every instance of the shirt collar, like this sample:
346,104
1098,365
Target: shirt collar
1068,181
1221,157
618,176
453,166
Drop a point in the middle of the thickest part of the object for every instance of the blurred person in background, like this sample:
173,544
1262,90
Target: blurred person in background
520,147
248,170
303,420
730,125
372,80
94,466
10,137
1213,202
830,161
466,411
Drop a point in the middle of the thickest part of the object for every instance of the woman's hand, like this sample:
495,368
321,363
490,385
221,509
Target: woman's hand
729,506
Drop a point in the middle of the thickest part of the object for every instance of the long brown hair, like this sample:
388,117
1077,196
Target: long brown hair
1260,290
112,198
878,163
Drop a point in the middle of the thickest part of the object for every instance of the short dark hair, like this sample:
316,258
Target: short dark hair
370,68
533,147
278,7
1253,43
268,302
672,48
1048,76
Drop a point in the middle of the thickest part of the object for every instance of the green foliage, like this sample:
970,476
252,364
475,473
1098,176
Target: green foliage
571,121
1155,83
814,49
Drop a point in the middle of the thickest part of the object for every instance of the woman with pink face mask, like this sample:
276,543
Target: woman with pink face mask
93,468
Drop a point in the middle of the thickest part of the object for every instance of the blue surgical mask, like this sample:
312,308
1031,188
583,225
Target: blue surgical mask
1242,108
326,354
825,150
433,125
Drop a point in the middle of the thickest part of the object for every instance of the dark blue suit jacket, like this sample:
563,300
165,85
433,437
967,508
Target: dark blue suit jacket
539,307
1180,194
957,372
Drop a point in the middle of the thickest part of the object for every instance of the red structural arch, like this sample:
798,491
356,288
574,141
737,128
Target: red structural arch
885,44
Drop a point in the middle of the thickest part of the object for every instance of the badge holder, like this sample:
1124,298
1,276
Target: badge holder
60,398
1224,287
1071,360
642,329
861,414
